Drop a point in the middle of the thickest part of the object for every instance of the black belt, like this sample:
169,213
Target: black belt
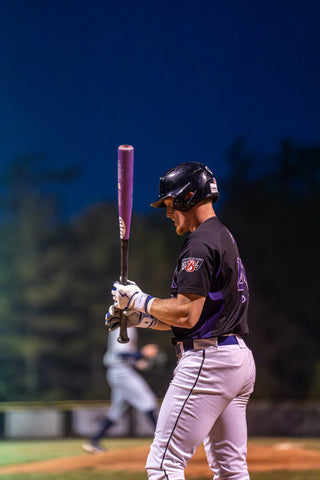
190,345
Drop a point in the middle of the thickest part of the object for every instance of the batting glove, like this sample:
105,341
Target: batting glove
130,296
134,319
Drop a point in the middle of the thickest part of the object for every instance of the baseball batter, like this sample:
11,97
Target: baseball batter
207,397
127,386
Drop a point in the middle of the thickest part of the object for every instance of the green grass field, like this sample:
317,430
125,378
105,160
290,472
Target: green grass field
18,452
89,475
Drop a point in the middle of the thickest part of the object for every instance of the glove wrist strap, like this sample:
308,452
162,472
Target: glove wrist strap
142,302
147,321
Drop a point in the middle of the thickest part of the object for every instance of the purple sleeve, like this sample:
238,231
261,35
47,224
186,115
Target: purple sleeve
195,270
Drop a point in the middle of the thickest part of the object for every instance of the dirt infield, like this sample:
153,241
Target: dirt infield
282,456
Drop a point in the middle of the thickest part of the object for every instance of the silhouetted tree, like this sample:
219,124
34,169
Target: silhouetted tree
274,219
29,217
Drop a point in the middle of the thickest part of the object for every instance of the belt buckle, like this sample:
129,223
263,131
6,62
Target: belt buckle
179,348
182,347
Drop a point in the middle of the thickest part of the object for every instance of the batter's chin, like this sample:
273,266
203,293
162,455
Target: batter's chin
179,231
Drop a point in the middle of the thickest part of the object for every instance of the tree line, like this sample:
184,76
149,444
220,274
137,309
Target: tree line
56,276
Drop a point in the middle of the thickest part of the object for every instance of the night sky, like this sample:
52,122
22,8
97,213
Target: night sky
178,80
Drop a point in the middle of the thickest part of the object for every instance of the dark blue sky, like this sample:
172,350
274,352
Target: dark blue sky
179,80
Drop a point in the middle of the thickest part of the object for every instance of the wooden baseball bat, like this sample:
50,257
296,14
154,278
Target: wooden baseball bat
125,189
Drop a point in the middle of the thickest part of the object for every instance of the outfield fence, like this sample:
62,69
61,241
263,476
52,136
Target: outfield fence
82,419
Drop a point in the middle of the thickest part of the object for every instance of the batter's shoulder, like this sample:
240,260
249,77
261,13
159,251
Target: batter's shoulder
205,238
213,235
211,229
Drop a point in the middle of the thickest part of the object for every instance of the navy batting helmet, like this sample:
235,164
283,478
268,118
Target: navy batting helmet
187,177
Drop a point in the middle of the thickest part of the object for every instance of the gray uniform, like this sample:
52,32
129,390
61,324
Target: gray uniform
127,386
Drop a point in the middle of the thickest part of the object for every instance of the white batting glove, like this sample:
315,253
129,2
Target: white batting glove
134,319
130,296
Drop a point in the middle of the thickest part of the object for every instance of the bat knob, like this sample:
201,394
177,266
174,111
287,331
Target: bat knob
123,340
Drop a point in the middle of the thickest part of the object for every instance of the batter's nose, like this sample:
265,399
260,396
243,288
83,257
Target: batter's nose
170,211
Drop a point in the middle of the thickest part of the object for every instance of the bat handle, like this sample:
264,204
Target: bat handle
123,336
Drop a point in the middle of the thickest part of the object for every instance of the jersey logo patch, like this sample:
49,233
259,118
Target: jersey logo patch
191,264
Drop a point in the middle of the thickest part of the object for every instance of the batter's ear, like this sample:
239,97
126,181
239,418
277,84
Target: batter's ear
188,196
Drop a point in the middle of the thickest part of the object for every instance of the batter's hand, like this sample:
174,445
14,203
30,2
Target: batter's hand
130,296
123,295
134,319
112,318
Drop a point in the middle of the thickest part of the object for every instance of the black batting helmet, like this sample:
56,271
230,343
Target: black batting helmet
184,178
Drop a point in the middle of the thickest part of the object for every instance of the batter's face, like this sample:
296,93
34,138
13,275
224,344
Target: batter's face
179,218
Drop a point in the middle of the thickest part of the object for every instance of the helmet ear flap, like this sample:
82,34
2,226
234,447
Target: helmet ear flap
180,202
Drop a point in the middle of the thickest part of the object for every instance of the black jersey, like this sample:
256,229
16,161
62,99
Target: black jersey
209,265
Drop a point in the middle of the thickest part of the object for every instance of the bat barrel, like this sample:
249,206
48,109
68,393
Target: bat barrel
125,188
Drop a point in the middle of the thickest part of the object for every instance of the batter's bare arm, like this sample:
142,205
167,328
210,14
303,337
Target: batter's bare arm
183,311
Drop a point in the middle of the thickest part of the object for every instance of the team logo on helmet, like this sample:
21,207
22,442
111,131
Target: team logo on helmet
213,186
191,264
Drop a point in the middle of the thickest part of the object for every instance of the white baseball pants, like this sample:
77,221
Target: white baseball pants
205,402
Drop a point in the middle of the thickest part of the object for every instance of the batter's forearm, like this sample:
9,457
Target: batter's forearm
168,312
183,311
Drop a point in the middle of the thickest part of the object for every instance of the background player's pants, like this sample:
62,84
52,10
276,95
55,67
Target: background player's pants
206,401
128,388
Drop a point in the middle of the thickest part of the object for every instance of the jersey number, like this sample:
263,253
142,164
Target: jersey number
242,279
